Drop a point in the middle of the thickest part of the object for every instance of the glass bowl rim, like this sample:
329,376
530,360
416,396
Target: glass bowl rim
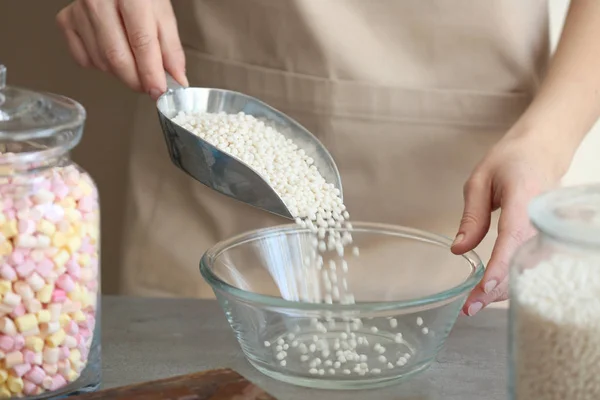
215,282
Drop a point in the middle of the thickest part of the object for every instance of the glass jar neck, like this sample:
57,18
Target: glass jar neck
31,162
546,239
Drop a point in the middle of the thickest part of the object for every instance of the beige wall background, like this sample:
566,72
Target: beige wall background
32,49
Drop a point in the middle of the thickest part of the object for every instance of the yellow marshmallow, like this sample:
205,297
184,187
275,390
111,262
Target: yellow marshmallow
64,319
3,375
34,343
59,239
75,294
56,339
94,233
26,322
61,258
72,375
4,392
2,219
73,244
79,316
43,316
5,286
77,229
73,216
86,299
5,248
45,293
46,227
75,356
9,229
84,260
68,202
14,384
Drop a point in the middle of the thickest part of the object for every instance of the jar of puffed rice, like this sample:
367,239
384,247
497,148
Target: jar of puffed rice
49,249
555,300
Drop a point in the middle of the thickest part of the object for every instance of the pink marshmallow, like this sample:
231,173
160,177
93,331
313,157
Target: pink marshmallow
6,343
17,257
92,286
86,204
57,382
21,369
60,190
72,328
35,214
29,356
72,177
64,353
88,248
44,267
7,272
74,269
26,268
45,184
18,311
36,375
23,203
19,342
26,227
10,214
29,388
58,296
65,282
7,203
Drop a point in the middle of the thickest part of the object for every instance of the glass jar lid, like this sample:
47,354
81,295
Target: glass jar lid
27,115
570,214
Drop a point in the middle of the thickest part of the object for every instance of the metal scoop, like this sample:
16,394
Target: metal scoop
219,170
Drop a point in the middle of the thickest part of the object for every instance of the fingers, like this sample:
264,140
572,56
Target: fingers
84,29
170,44
74,42
478,299
112,41
513,230
476,218
142,33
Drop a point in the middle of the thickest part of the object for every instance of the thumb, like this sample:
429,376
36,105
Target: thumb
475,221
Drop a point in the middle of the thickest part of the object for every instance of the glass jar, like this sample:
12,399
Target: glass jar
555,300
49,249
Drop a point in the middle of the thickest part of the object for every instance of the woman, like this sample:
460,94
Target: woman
413,98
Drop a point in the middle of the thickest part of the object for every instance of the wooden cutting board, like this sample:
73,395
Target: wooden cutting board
217,384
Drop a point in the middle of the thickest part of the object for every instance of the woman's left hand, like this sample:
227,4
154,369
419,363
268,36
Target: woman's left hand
516,170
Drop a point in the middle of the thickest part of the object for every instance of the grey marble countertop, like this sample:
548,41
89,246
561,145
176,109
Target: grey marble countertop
145,339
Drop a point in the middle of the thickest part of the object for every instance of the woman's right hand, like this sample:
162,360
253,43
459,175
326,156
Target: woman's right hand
136,40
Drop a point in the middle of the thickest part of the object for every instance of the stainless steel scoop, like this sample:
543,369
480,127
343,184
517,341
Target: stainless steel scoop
219,170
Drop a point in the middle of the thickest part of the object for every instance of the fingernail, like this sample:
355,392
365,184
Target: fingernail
489,286
474,308
459,238
154,93
186,83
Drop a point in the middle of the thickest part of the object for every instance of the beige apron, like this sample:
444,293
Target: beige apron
407,95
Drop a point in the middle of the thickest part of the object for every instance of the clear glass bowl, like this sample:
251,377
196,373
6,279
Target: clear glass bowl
408,287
